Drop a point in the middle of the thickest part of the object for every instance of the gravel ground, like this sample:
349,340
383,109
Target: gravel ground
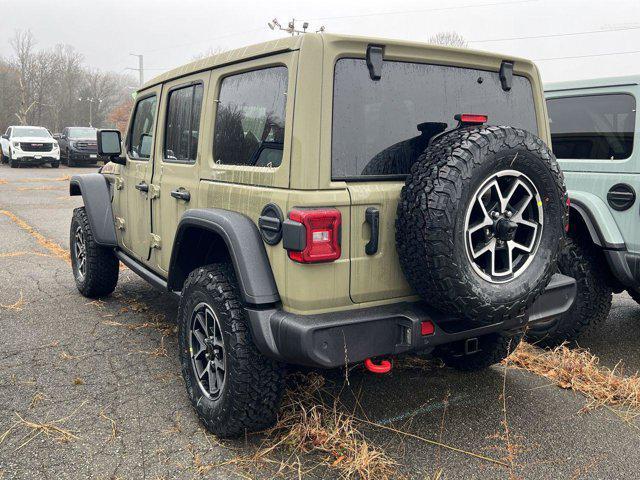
106,375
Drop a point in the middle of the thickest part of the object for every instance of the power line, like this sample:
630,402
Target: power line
205,41
403,12
556,35
585,56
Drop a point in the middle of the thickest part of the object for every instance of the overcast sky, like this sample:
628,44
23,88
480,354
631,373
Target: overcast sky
171,32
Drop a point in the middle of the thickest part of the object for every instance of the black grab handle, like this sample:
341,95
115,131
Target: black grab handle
372,217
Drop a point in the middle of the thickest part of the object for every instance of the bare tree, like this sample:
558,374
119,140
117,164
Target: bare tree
22,44
449,39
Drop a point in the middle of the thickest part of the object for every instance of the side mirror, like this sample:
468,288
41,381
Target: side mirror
110,145
57,136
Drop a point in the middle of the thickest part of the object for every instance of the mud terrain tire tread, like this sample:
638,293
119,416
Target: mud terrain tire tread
426,218
102,270
593,297
254,384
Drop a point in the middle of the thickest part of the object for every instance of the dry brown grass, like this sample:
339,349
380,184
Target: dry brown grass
306,424
42,187
16,306
579,370
112,422
55,249
64,178
21,253
35,429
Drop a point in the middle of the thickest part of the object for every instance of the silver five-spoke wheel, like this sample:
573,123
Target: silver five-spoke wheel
206,347
503,226
80,251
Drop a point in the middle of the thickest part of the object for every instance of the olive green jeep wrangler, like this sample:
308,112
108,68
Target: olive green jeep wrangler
323,200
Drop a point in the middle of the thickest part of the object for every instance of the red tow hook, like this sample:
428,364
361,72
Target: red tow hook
383,367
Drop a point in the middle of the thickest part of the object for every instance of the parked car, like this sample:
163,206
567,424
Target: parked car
78,146
594,130
24,145
323,200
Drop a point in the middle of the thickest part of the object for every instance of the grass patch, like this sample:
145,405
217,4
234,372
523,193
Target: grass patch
579,370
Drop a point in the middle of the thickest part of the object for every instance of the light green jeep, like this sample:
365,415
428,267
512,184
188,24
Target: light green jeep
324,200
594,129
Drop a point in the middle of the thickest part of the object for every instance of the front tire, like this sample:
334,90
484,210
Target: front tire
95,268
492,349
593,297
232,386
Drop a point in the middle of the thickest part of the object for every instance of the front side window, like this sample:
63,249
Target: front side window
380,127
183,124
142,128
592,127
250,119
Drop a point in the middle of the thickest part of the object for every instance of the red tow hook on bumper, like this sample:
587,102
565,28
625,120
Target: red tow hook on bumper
383,367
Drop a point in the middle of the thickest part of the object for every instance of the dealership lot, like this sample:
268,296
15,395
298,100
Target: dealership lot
93,389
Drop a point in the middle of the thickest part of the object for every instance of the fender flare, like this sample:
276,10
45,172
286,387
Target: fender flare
597,217
246,250
94,188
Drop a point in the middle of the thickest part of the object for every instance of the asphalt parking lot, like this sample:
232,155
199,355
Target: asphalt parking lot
104,376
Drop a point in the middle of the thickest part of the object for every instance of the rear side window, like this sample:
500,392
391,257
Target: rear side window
141,135
593,127
381,127
183,124
250,119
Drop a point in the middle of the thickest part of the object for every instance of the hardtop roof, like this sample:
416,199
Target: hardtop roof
295,43
592,83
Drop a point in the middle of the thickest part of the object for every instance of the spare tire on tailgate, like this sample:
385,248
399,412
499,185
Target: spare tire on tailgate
481,222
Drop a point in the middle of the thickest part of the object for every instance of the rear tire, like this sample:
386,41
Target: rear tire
493,348
473,200
246,389
95,268
593,297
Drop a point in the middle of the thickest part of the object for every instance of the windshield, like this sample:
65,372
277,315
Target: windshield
82,132
30,132
380,127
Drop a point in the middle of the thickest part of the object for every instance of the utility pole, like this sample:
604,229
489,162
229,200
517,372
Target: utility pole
140,68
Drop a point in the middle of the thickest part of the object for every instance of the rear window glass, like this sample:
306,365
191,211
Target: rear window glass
592,127
250,119
380,127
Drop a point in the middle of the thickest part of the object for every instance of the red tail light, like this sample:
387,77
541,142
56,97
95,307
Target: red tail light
316,235
471,118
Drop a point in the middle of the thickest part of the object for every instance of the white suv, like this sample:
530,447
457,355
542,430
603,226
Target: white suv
29,146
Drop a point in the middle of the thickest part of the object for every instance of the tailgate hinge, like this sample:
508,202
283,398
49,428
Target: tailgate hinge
154,191
154,241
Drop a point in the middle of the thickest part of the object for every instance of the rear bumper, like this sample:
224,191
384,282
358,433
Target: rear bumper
335,339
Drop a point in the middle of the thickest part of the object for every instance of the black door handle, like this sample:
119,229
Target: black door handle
143,187
372,217
181,194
